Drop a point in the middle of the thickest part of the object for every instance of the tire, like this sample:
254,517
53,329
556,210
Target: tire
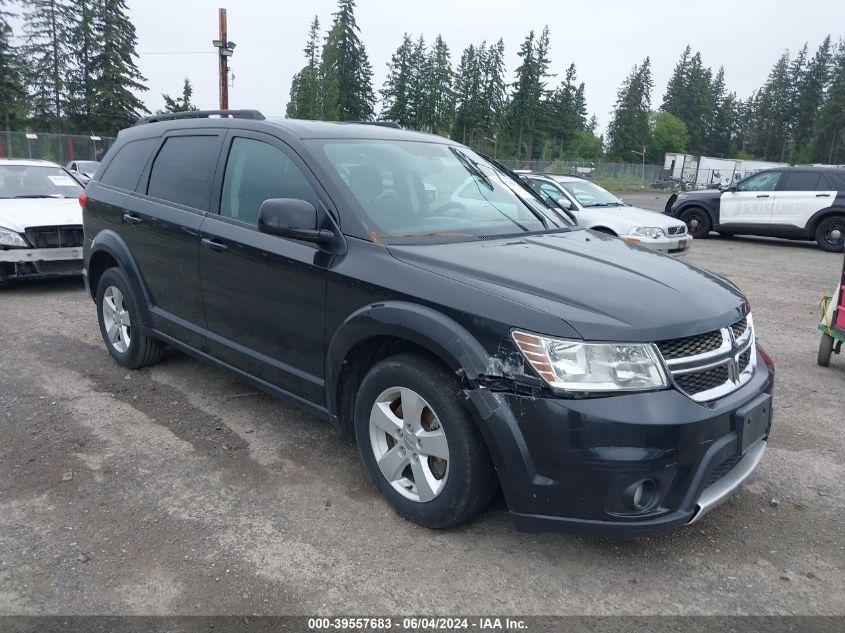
825,349
456,488
697,221
118,308
827,231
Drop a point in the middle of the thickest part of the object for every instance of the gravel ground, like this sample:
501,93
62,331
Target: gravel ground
178,490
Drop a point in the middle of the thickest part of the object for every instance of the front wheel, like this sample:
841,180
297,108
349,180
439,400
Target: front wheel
697,221
825,349
830,234
419,444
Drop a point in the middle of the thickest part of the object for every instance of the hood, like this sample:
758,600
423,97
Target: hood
18,214
632,216
603,287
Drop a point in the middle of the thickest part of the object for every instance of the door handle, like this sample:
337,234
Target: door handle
131,219
822,195
214,245
762,195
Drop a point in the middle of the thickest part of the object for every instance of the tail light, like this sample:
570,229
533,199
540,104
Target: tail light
83,199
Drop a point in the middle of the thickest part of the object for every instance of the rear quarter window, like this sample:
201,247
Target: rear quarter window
835,182
124,170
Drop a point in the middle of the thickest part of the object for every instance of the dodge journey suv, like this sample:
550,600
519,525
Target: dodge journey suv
470,344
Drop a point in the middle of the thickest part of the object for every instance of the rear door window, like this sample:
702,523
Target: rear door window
183,170
124,170
801,181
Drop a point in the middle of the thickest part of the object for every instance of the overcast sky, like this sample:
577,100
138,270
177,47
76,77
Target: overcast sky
603,37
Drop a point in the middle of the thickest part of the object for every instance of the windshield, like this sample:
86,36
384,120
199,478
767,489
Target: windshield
36,181
413,189
589,195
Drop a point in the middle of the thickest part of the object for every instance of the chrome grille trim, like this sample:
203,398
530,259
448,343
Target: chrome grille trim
737,355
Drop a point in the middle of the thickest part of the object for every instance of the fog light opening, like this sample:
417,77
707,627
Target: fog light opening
641,495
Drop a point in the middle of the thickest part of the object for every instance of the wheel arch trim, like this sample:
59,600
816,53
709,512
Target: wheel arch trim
108,241
437,333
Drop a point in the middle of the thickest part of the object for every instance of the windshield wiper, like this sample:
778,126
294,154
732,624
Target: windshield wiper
472,168
40,195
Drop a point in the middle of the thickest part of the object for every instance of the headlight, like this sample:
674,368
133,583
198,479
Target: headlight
10,238
647,231
579,366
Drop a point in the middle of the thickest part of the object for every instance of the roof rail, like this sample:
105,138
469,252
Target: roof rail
390,124
202,114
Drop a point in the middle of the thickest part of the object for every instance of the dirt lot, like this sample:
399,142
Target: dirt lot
177,489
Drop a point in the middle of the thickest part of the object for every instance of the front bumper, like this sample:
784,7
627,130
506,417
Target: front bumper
567,464
17,263
670,245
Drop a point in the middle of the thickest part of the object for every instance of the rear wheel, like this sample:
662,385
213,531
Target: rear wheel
697,221
117,313
419,444
825,349
830,234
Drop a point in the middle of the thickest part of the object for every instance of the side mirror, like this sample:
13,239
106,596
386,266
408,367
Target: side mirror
731,189
292,218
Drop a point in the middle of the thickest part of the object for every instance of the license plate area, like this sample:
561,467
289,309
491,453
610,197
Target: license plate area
753,421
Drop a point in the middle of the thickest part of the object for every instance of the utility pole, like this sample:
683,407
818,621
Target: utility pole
225,48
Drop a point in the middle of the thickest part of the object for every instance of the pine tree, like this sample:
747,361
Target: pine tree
117,77
419,88
441,98
830,124
183,103
530,91
13,96
628,130
48,25
468,80
306,87
86,40
775,112
346,71
396,94
676,90
810,94
494,95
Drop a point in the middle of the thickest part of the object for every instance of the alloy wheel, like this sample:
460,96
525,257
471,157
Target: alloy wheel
116,319
409,444
835,233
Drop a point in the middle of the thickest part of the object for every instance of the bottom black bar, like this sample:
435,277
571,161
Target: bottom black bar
565,624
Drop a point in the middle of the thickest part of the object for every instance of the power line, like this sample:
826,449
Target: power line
178,53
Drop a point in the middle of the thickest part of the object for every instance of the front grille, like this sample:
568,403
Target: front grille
55,236
721,470
691,345
708,366
677,230
699,381
744,359
739,328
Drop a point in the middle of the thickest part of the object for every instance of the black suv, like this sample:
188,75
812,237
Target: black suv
470,337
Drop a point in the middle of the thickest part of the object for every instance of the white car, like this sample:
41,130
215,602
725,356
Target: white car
598,209
83,168
40,220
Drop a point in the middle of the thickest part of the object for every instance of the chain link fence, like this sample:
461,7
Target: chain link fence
623,174
60,148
